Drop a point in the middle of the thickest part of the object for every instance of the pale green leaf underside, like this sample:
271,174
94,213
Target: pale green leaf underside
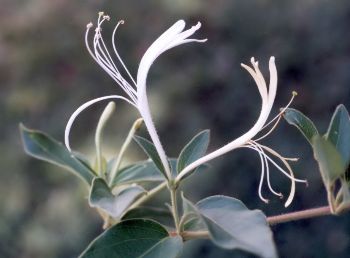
232,225
339,132
302,122
114,205
144,171
151,151
44,147
195,149
329,160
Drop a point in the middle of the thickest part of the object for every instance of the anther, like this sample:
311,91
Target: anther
89,25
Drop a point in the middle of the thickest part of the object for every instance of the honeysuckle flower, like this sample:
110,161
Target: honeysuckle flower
136,95
246,140
135,91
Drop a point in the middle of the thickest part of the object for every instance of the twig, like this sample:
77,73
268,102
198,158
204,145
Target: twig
273,220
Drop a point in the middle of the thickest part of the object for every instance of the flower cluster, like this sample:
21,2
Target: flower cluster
136,95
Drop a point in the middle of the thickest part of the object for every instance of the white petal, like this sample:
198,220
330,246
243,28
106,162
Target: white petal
262,89
82,108
240,141
273,81
170,38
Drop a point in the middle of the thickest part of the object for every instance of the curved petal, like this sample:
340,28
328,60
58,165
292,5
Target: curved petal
81,109
273,81
172,37
264,113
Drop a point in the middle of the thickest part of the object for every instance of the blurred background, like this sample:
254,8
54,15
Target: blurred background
46,73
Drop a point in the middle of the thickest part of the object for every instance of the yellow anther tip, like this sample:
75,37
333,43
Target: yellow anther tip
138,123
294,93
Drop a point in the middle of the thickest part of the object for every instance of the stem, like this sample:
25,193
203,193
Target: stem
115,168
189,235
273,220
330,198
175,212
148,196
298,215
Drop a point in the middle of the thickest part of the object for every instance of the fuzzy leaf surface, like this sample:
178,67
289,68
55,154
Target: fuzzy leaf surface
232,225
302,122
41,146
136,238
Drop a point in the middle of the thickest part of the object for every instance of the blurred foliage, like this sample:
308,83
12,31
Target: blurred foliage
46,73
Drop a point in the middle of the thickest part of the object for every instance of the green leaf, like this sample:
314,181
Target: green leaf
151,151
329,160
137,238
232,225
42,146
191,219
303,123
114,205
161,215
195,149
144,171
339,132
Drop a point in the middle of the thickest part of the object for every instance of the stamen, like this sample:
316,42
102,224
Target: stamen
282,159
111,65
117,54
100,14
267,169
284,172
292,190
278,117
254,145
270,131
261,175
106,65
294,94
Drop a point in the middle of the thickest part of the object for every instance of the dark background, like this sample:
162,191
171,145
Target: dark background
46,73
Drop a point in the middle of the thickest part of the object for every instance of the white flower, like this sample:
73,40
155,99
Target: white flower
136,95
246,140
135,90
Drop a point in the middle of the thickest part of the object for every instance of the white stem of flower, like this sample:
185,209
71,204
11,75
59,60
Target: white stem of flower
106,114
137,124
